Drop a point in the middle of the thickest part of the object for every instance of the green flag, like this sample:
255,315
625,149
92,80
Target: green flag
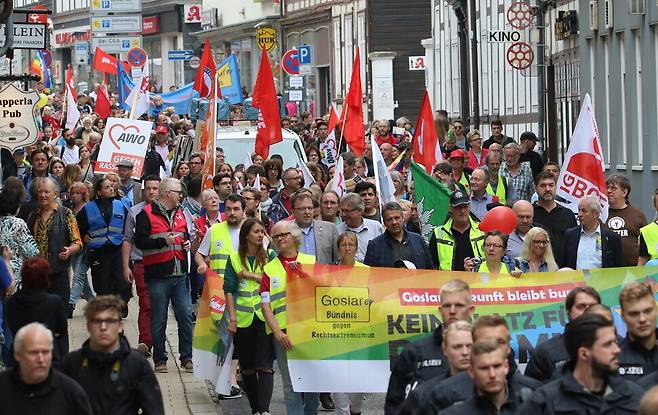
432,198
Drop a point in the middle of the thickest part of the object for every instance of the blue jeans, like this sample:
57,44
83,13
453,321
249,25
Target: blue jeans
296,404
80,281
176,289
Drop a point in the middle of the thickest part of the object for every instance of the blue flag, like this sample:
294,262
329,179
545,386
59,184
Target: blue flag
229,80
179,99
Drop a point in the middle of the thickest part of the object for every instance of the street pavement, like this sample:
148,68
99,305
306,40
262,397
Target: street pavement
182,393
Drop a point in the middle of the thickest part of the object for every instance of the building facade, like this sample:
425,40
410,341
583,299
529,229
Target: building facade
618,52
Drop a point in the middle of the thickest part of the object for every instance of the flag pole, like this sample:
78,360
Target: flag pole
342,128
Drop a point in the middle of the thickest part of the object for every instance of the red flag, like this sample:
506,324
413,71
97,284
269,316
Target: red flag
333,119
104,62
204,75
102,100
425,139
354,132
208,134
265,99
583,168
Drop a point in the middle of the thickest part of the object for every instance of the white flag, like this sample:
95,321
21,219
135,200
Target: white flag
338,184
582,172
72,112
306,173
257,182
383,180
247,161
140,97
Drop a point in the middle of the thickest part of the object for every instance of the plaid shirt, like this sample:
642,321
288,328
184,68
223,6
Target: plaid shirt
521,185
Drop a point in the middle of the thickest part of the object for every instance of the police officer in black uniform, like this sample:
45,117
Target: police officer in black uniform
552,354
423,359
460,388
639,351
587,384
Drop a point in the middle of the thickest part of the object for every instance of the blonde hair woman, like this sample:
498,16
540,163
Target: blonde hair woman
537,255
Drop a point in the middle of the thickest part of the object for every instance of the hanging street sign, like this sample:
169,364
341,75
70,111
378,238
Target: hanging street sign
116,6
116,44
27,36
266,37
180,55
18,122
116,24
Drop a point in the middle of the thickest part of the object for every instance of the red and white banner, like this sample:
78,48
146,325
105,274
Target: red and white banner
582,171
329,147
338,184
72,112
123,139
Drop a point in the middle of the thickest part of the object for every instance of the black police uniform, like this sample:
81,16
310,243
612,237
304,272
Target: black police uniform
482,405
566,396
547,359
460,388
420,361
635,361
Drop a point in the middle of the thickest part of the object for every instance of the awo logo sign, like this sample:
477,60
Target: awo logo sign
217,304
420,296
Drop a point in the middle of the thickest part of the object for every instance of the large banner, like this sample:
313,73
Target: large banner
348,325
123,139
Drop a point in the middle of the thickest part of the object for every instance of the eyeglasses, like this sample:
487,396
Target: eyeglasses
108,322
175,191
493,246
248,199
293,178
540,242
281,235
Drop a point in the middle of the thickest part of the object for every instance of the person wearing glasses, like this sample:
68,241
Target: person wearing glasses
117,379
287,238
162,232
537,254
476,155
495,260
101,223
195,169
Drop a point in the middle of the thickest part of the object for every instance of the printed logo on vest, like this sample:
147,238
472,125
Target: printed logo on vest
275,282
219,244
631,370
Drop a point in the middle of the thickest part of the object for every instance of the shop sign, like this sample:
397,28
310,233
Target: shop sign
27,36
266,37
18,123
116,24
150,25
192,13
116,44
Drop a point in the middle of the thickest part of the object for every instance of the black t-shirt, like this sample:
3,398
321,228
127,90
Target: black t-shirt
535,160
463,248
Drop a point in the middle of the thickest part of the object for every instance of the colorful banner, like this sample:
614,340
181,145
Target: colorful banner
229,80
179,99
212,344
348,325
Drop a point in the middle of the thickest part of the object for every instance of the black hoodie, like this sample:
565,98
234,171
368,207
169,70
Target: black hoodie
117,383
31,305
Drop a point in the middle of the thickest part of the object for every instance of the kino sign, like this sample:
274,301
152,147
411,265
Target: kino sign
504,36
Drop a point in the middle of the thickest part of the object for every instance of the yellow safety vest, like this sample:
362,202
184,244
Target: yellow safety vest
650,235
247,303
445,243
221,247
501,189
277,274
503,268
466,182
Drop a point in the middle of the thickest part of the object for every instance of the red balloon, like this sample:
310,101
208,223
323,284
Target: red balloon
501,219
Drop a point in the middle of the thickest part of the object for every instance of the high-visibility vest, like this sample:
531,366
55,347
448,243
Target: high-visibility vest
445,243
277,274
501,189
102,232
465,181
161,228
247,302
221,246
650,235
503,268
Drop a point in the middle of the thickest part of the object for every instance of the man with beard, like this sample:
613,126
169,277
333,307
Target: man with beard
639,354
553,217
552,354
69,152
489,368
588,384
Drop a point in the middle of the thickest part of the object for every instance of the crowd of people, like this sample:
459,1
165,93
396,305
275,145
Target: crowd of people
163,233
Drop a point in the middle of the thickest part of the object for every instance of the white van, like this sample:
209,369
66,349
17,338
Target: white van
239,141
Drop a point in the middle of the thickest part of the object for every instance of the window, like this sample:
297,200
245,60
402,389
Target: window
361,36
338,72
349,51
